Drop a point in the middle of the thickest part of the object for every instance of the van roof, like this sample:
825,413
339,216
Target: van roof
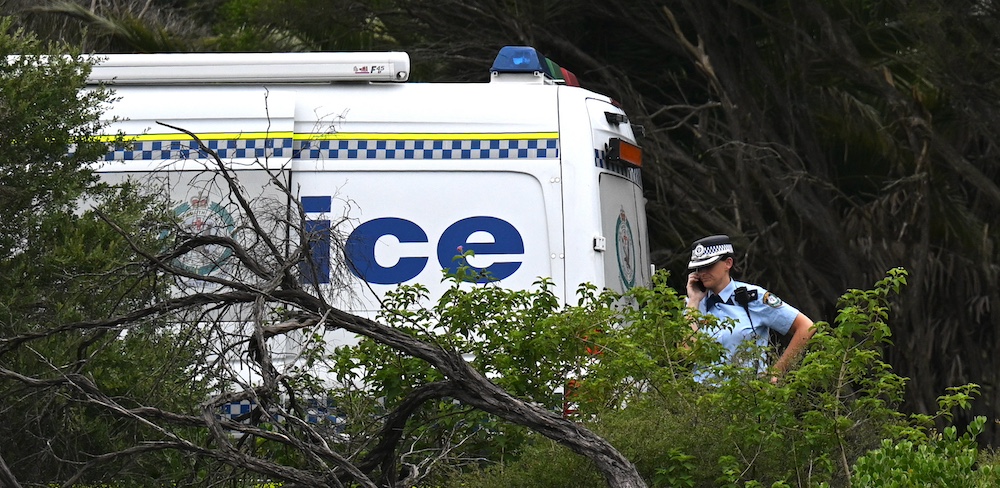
312,67
519,64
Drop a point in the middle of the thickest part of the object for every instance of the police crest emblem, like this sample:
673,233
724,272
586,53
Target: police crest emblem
200,216
625,247
772,300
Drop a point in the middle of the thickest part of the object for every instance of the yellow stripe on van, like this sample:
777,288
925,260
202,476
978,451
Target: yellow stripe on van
405,136
205,136
337,136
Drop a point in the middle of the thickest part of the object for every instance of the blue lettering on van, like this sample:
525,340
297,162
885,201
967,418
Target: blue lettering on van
315,269
506,240
360,251
360,248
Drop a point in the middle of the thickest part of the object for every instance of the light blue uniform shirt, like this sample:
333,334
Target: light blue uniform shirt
766,312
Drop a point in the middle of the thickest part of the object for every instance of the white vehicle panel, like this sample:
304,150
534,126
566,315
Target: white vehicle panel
499,215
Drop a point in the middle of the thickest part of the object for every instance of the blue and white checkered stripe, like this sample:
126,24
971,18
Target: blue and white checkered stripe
320,412
226,148
430,149
234,410
631,172
317,412
341,149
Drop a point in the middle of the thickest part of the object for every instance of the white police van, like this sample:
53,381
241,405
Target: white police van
536,175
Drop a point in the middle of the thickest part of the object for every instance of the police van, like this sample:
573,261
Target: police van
534,174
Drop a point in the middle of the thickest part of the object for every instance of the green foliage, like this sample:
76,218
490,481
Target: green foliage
507,334
679,470
606,352
61,263
942,460
123,28
839,404
44,112
299,25
77,271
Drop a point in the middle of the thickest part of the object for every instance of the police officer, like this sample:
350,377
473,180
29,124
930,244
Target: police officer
754,311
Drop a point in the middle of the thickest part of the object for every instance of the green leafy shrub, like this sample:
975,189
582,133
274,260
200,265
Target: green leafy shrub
944,460
631,360
836,407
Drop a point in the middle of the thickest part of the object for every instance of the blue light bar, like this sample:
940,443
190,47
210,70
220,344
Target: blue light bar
525,59
519,59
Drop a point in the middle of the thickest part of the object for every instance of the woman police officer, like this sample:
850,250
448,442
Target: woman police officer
753,310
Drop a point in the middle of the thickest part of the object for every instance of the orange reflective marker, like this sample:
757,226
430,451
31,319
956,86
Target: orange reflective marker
624,152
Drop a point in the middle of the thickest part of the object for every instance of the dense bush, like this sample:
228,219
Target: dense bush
832,421
62,265
943,460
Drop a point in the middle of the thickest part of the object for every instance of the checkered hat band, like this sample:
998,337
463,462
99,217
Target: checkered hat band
702,253
718,249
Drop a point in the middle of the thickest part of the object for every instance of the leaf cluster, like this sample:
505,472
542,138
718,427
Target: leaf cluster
49,122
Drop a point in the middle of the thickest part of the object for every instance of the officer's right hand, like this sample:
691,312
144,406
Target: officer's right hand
694,292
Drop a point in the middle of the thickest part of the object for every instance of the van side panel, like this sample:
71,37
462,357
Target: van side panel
404,227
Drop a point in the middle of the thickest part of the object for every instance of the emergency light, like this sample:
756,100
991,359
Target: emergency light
524,59
305,67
